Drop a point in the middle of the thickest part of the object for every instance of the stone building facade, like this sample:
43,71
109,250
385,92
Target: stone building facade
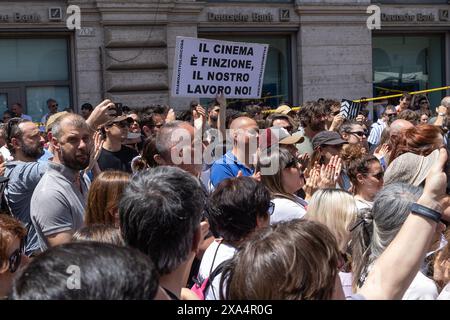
125,49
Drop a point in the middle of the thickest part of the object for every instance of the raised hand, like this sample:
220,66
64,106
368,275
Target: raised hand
381,151
99,115
338,120
329,174
312,183
170,116
96,150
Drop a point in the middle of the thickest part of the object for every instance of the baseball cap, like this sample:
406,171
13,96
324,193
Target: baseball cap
331,138
119,119
284,109
278,135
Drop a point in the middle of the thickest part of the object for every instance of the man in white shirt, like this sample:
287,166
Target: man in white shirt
387,117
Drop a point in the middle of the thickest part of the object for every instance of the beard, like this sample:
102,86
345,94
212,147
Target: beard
34,152
73,161
213,117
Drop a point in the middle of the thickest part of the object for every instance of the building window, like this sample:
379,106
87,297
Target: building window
277,75
35,70
408,63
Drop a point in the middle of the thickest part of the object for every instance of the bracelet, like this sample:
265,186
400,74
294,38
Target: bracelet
426,212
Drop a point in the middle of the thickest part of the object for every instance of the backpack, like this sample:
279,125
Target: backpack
201,285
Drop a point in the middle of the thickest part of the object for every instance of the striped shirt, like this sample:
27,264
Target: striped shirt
375,132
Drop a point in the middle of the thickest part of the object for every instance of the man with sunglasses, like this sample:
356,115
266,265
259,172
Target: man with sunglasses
52,106
354,133
114,155
388,116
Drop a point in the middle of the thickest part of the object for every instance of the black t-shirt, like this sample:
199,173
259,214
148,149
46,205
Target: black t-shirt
120,160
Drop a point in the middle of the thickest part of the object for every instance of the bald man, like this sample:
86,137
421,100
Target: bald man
244,132
398,126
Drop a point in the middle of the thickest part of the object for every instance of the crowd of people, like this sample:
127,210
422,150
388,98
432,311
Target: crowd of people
220,203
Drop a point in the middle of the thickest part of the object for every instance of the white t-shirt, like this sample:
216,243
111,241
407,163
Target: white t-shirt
421,288
6,154
363,204
286,209
224,252
445,293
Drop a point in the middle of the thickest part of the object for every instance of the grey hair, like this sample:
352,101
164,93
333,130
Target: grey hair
446,102
369,240
164,141
75,120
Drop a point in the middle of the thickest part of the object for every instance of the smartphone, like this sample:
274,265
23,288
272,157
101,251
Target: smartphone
116,110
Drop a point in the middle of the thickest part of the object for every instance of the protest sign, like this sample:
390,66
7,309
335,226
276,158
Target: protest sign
203,68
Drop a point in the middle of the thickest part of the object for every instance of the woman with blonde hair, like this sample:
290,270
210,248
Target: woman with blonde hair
103,198
336,209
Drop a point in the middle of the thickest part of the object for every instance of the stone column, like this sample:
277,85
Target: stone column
334,49
136,40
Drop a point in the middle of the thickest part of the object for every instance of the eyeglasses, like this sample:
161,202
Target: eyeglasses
12,123
359,133
335,113
271,208
16,257
391,115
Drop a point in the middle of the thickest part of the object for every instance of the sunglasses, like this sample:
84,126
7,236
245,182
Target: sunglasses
359,133
379,175
391,115
16,257
271,208
12,123
335,113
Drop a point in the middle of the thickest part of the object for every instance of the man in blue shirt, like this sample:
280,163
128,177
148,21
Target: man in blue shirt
241,158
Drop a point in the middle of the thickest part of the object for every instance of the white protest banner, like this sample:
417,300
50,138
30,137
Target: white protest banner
204,68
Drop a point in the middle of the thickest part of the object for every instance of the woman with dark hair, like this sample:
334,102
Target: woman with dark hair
103,198
366,175
237,207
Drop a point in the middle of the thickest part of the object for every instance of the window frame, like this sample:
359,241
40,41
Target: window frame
23,85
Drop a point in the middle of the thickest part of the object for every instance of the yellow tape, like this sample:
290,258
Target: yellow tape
399,95
379,98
